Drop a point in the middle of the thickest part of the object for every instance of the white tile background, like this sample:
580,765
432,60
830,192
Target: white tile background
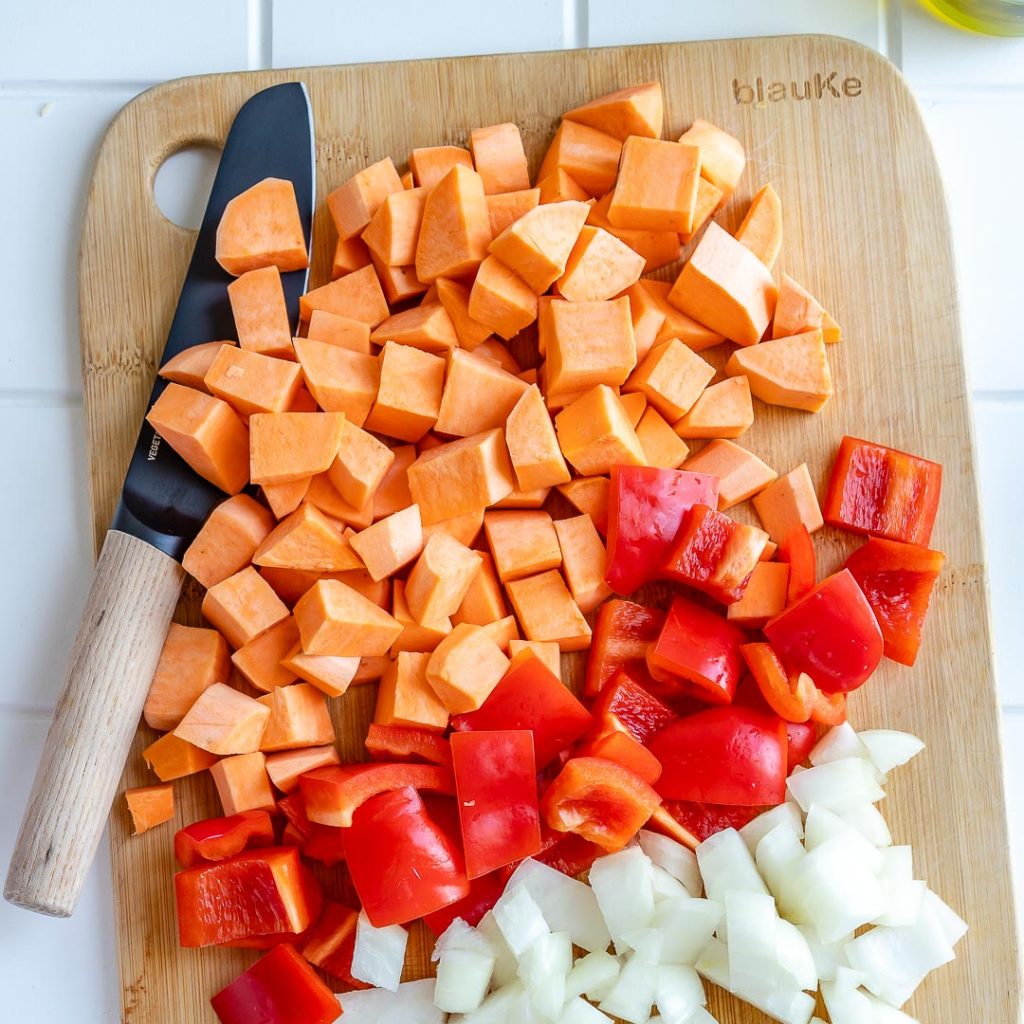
80,62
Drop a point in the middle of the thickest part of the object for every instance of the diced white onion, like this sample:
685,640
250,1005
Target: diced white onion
678,860
506,967
623,886
686,926
678,993
788,1006
498,1008
646,942
753,950
837,785
889,749
665,886
726,865
822,825
411,1003
796,962
827,957
953,926
579,1011
379,953
543,969
632,994
846,1004
868,821
783,814
459,935
519,919
591,974
883,1013
902,894
838,743
463,976
780,855
700,1016
713,963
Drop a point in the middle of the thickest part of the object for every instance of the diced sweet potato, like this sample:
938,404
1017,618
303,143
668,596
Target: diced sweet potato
789,502
393,494
440,578
289,446
635,404
390,543
763,597
590,496
741,474
342,381
791,372
589,156
261,227
284,499
455,228
658,248
243,783
465,667
298,718
285,766
261,315
325,496
499,158
546,611
343,331
455,299
172,758
635,110
797,311
427,327
360,465
709,198
405,698
661,444
357,295
399,284
722,158
190,366
150,806
353,205
350,254
503,631
395,227
478,395
722,410
599,267
522,543
289,584
308,540
243,606
429,164
761,229
224,721
583,558
501,300
485,600
260,660
651,297
329,674
491,348
415,636
532,444
587,343
558,186
537,246
465,528
505,208
335,619
595,434
525,499
671,378
546,651
657,186
250,382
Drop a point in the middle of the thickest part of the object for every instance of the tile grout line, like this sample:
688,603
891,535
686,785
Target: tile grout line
41,397
892,31
260,34
575,24
14,88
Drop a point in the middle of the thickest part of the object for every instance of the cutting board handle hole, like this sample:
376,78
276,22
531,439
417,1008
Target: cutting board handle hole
183,182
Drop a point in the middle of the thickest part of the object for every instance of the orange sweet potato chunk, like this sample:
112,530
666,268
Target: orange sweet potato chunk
189,367
243,606
761,230
657,186
559,186
261,315
797,312
658,247
455,229
395,227
290,446
648,299
501,300
227,540
415,636
709,198
789,502
307,540
499,158
285,766
349,254
224,721
537,246
546,651
661,444
250,382
505,208
341,381
261,227
600,267
427,327
590,157
721,155
723,410
191,661
635,404
546,611
587,343
298,718
493,349
595,434
671,378
405,698
741,474
171,758
763,597
429,164
260,660
357,295
465,667
440,579
635,110
583,559
589,494
325,496
353,205
243,783
360,465
455,299
330,675
522,543
390,543
150,806
478,395
408,397
206,432
399,284
393,494
791,372
485,600
335,619
532,444
284,499
343,331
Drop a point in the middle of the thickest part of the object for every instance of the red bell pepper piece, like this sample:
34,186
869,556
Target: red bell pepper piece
330,943
484,892
801,736
621,635
792,696
700,646
645,509
325,844
280,988
333,793
621,747
704,820
259,892
830,633
883,491
402,743
571,854
626,705
726,755
897,580
600,801
220,838
530,696
496,786
402,864
798,550
715,554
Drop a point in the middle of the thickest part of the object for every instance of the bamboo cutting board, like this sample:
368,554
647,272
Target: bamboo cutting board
835,128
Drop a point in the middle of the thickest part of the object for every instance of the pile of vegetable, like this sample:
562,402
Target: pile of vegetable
392,521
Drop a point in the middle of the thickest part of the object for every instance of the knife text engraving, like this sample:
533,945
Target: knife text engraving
154,448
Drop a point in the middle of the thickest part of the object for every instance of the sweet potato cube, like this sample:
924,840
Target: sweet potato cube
261,227
150,806
763,597
415,636
455,299
243,783
224,721
546,611
506,208
595,434
721,155
324,495
429,164
243,606
671,378
499,158
227,540
741,474
462,477
525,499
172,758
658,248
342,381
726,287
648,298
503,631
792,372
635,110
583,559
260,312
428,327
558,186
191,661
405,698
590,157
661,444
206,432
485,600
289,584
360,465
333,618
478,395
657,186
635,404
440,578
399,284
298,718
797,311
393,493
284,499
357,296
465,667
329,674
285,766
393,230
335,329
307,539
494,350
455,228
408,398
522,543
465,529
722,410
190,366
353,204
589,495
538,245
532,444
501,300
350,254
260,660
761,232
599,267
587,343
546,651
390,543
709,198
290,446
789,502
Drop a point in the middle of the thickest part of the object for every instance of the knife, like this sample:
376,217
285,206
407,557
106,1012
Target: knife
138,576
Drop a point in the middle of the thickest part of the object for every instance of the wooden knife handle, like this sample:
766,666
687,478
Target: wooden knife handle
134,591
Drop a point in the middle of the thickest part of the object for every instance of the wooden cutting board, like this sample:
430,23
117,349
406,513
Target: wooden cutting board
835,128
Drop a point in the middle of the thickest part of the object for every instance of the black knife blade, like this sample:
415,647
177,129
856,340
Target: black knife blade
163,501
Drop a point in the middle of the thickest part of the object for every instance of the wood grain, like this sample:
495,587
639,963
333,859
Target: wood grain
866,230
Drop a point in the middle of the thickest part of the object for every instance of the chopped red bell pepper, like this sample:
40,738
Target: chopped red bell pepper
530,696
333,793
220,838
798,550
645,508
325,844
792,696
703,820
484,892
801,736
830,633
622,748
259,892
496,786
402,864
727,755
600,801
330,943
625,704
700,646
280,988
571,854
402,743
883,491
715,554
663,822
897,579
621,635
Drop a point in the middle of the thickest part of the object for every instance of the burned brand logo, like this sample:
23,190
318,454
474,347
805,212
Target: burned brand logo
825,85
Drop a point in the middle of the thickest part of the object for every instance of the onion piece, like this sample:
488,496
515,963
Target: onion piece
632,995
411,1003
543,969
497,1008
519,919
665,886
678,993
579,1011
505,964
700,1016
868,821
827,957
953,926
379,953
623,885
592,976
463,976
903,895
459,935
889,749
713,963
780,856
678,860
686,927
726,865
822,825
784,814
796,961
753,950
836,785
646,943
883,1013
846,1004
841,741
788,1006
